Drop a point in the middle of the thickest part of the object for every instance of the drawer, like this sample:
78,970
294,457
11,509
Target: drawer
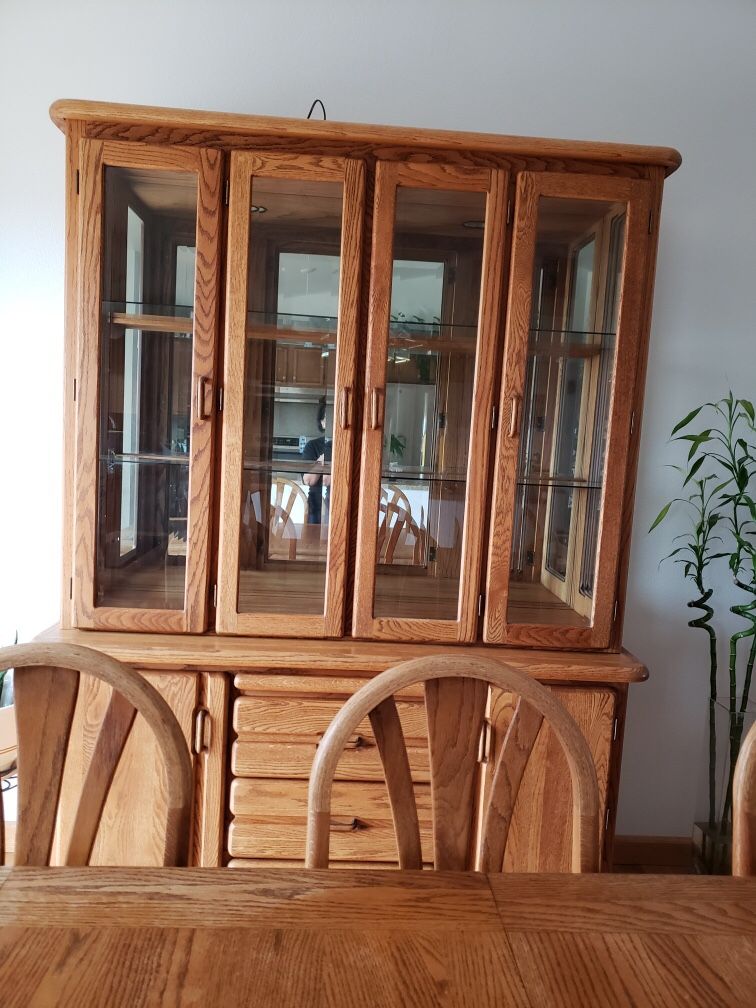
271,799
302,720
270,820
368,840
255,758
334,687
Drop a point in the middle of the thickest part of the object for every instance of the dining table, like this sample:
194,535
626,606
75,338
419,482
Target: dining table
204,937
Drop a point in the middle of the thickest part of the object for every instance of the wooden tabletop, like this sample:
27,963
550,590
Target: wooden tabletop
170,937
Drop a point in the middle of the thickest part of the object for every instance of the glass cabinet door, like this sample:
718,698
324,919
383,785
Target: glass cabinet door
438,238
571,347
295,241
149,227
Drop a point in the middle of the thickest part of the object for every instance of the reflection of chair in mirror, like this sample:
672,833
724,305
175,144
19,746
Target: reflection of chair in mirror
283,530
400,536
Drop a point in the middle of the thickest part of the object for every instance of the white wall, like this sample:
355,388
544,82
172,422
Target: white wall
679,73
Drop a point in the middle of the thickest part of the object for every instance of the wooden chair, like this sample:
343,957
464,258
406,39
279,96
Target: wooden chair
456,690
46,685
285,493
396,525
744,808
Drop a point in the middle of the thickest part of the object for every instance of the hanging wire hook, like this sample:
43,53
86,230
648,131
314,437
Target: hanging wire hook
312,109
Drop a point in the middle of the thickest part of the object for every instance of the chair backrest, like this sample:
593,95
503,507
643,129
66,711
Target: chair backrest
46,685
456,690
396,524
744,808
285,493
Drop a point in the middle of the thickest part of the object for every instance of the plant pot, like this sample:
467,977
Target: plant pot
712,837
8,738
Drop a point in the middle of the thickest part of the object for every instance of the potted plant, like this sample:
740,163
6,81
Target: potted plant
719,474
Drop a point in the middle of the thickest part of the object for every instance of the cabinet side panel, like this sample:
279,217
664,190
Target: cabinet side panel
74,133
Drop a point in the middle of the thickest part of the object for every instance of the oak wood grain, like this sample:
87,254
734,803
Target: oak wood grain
744,808
46,680
120,937
65,110
206,164
501,624
455,844
344,657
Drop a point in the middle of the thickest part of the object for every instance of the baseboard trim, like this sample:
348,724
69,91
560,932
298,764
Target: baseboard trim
653,851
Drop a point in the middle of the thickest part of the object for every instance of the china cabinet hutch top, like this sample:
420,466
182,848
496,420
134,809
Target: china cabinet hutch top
338,380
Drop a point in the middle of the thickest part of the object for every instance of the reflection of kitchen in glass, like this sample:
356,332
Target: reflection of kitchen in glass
145,387
430,367
568,389
292,324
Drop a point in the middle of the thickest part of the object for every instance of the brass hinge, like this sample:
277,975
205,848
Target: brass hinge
616,608
481,604
214,596
225,192
70,587
606,818
74,390
632,421
77,181
494,416
650,221
201,731
614,729
220,398
509,211
484,743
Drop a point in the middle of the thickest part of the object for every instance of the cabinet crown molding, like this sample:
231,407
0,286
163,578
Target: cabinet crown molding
65,110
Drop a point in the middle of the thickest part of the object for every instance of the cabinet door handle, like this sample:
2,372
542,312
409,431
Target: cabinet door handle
201,733
203,384
346,825
514,416
345,408
376,408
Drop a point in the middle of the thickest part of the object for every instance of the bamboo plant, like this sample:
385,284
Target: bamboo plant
720,470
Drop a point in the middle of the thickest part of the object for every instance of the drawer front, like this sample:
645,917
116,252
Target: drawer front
293,760
270,820
279,722
308,719
266,799
366,841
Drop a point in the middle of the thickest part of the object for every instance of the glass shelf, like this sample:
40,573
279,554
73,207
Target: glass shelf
142,457
318,330
559,481
571,332
415,476
173,319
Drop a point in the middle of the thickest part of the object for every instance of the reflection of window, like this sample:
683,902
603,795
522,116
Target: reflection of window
417,290
308,284
131,381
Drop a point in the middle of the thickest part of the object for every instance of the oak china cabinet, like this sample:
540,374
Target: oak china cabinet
337,395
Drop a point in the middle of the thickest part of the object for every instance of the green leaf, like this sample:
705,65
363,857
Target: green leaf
748,407
661,516
694,468
686,420
702,438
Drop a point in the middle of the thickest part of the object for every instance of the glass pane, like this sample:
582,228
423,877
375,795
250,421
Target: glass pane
432,342
290,374
570,369
145,388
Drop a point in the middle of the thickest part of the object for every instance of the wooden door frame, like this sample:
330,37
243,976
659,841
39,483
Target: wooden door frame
206,163
350,172
389,176
636,194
